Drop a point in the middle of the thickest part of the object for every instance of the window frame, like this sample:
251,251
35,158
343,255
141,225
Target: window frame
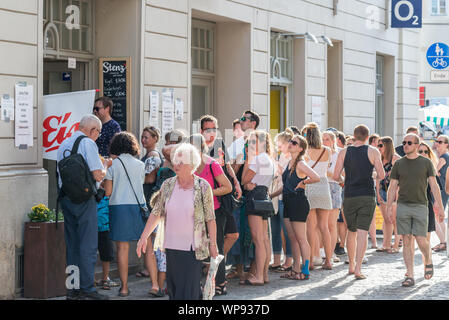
281,45
438,8
206,26
379,122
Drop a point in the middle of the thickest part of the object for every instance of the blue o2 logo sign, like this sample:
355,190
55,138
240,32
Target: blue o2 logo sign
438,55
406,13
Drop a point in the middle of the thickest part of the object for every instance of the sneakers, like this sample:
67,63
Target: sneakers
107,284
339,251
335,258
73,294
317,261
92,296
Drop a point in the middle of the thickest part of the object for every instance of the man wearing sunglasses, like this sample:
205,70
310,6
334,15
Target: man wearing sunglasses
400,149
103,110
412,174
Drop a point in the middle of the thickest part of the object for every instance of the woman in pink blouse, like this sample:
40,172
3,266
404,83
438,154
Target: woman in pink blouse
184,211
212,172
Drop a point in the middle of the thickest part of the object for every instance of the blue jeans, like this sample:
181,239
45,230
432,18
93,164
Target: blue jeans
277,223
81,239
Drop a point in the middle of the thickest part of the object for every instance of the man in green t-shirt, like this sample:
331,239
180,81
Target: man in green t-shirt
412,174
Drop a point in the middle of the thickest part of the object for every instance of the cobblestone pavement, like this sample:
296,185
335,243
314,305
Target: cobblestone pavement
384,272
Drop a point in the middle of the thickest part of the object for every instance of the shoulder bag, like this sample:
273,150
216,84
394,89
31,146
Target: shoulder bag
143,209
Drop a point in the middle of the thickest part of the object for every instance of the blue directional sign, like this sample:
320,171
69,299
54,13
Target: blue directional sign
406,13
438,55
66,76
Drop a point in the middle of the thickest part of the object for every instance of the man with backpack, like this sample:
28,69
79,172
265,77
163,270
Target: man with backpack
79,168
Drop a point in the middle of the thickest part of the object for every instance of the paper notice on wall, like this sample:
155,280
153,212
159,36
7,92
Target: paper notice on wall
24,116
168,110
7,104
316,110
179,109
154,108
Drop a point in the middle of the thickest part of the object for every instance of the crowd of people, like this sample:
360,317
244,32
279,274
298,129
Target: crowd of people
306,200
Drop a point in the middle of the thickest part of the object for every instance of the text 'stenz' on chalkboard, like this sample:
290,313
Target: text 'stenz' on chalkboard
115,83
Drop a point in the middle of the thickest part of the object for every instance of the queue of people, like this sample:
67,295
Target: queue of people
310,197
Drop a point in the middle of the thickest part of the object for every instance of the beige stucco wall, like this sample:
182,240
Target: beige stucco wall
169,22
22,181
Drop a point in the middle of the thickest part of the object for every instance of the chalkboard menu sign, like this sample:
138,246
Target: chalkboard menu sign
115,83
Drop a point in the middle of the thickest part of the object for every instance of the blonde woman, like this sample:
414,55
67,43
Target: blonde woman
318,157
279,235
389,157
257,176
330,141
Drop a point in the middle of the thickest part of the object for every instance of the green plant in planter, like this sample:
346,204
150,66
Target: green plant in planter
41,213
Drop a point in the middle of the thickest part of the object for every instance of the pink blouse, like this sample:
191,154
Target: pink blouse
179,225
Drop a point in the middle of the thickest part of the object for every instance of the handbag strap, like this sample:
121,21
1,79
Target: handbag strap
126,171
319,158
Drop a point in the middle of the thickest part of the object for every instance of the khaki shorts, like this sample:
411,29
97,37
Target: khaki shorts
412,218
359,212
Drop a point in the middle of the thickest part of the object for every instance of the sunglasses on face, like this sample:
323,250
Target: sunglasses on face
380,145
440,142
293,142
245,118
408,142
210,130
424,151
252,142
96,109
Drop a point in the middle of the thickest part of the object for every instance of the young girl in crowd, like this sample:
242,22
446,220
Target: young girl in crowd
295,178
258,173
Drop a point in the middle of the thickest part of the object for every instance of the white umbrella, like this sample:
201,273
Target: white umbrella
209,287
438,113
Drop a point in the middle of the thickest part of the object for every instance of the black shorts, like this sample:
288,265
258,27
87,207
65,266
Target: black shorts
231,225
258,193
296,206
105,247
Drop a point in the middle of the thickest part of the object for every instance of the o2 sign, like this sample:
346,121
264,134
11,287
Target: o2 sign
406,13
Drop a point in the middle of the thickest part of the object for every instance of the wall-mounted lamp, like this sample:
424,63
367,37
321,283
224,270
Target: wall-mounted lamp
306,35
326,40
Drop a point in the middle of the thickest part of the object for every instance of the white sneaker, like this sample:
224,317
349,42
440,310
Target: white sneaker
365,260
322,253
335,258
317,261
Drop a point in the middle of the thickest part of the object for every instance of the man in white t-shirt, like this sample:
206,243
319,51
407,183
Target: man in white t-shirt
239,143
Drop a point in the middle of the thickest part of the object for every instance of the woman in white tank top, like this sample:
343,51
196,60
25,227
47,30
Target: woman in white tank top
318,157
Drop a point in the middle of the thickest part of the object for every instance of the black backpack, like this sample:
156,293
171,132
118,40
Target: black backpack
78,184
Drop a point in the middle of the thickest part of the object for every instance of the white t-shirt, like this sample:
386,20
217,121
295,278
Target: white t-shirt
236,148
264,168
333,163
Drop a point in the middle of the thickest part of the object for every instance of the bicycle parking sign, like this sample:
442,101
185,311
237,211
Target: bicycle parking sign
438,55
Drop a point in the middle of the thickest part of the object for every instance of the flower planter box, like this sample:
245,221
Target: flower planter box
44,260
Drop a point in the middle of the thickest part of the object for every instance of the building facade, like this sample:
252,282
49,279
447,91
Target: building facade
434,83
219,56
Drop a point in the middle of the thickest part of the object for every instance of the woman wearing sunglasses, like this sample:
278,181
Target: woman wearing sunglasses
442,145
258,174
425,151
389,157
295,178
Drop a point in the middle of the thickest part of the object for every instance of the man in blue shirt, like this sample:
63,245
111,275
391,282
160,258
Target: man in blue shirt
103,110
80,220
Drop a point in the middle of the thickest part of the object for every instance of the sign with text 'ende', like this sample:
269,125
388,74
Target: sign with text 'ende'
406,13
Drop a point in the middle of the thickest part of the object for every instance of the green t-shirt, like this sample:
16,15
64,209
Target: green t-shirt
412,176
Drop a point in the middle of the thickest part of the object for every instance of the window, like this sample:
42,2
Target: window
202,46
380,96
69,38
281,51
439,8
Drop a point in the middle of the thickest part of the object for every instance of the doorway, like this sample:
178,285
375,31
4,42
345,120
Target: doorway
202,93
278,108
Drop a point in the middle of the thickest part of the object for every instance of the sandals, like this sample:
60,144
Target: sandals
123,294
428,272
408,282
156,293
221,290
232,275
392,251
287,275
274,268
141,274
283,269
382,250
249,283
360,277
440,247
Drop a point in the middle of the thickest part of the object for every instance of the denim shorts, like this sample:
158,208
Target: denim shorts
335,195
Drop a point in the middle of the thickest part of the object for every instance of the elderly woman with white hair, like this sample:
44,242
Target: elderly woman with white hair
184,211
